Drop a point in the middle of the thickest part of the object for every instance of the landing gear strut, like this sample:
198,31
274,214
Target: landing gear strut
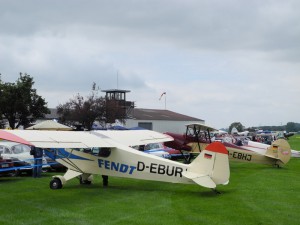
83,179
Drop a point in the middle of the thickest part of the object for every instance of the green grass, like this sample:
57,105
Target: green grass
294,142
256,194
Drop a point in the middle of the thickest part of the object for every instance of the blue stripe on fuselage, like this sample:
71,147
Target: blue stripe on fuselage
60,153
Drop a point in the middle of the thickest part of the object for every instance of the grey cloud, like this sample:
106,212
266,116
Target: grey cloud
214,24
154,46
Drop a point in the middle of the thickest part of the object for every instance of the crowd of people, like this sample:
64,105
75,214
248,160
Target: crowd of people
239,139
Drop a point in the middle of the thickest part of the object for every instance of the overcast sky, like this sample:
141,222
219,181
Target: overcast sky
222,61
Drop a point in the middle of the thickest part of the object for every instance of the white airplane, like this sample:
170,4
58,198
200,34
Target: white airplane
111,155
262,148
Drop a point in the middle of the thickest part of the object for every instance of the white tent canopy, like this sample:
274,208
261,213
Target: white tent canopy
49,125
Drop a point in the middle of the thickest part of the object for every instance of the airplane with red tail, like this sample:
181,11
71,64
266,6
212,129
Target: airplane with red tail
86,153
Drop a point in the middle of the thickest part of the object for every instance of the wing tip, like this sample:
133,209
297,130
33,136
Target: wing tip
6,135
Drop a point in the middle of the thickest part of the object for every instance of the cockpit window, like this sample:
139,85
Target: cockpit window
101,152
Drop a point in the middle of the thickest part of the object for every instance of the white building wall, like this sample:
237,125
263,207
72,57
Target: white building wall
162,125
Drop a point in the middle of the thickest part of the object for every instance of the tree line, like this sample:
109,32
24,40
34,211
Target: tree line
21,106
289,127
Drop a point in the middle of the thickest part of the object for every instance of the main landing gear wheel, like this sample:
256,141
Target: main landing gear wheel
55,183
84,181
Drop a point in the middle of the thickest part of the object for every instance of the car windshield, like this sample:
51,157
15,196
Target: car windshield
4,150
17,149
153,146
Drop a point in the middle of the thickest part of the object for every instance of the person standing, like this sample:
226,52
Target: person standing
105,180
38,162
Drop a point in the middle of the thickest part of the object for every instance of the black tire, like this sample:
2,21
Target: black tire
55,183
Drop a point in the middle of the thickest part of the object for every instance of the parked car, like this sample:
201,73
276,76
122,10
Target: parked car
159,149
20,156
6,166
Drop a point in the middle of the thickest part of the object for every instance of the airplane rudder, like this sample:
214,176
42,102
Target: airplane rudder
212,159
220,170
211,167
281,150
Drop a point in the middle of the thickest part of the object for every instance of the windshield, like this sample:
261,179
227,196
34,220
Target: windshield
4,150
17,149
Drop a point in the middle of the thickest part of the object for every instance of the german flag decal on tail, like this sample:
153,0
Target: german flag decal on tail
207,156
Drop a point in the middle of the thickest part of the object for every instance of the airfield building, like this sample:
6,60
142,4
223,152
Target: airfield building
160,120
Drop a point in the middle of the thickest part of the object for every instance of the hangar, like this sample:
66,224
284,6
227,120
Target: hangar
160,120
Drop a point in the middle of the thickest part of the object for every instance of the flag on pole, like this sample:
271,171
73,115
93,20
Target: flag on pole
162,95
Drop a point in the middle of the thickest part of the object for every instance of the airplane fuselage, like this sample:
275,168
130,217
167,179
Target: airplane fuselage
128,163
236,153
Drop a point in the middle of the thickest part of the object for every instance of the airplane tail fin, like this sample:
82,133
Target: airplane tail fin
280,150
211,167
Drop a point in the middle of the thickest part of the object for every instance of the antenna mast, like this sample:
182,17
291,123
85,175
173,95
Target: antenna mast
117,79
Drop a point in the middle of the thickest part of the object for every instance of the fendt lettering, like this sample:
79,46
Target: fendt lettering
241,156
160,169
120,167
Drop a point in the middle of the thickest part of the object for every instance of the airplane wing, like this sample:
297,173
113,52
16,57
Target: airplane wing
135,137
56,139
200,126
83,139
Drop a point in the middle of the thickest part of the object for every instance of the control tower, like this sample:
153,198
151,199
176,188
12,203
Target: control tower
116,104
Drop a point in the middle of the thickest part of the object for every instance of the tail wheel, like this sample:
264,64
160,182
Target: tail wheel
55,183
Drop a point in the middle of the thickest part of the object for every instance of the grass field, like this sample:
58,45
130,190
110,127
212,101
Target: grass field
256,194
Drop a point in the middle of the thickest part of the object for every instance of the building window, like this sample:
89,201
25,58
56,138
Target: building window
146,125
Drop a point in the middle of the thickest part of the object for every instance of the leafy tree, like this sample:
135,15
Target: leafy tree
237,125
20,103
83,111
292,127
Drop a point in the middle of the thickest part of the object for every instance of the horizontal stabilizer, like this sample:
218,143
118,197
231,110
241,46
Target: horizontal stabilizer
190,175
203,180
